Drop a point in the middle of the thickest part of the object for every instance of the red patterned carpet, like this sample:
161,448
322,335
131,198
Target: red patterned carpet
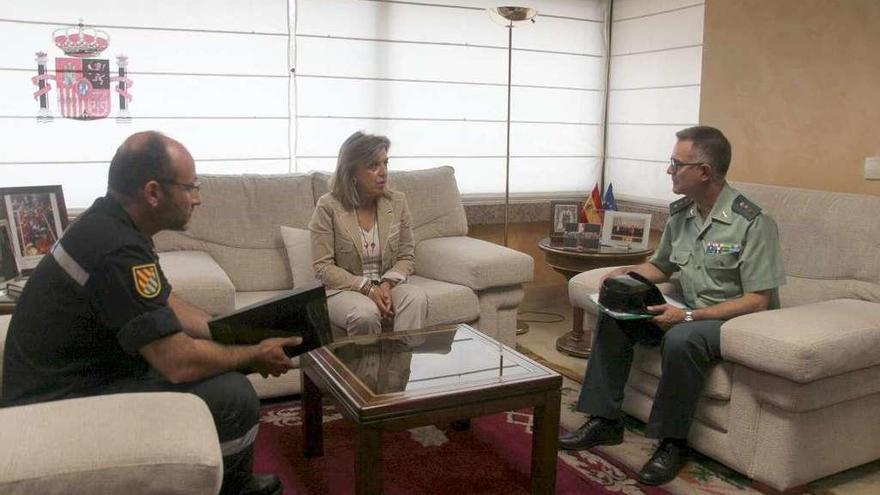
492,458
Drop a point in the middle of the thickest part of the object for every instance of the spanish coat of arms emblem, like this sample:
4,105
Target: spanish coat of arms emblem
83,79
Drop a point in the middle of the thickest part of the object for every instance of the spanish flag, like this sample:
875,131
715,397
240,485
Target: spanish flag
592,211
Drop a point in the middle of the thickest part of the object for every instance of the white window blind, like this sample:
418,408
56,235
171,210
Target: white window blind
213,75
432,76
654,90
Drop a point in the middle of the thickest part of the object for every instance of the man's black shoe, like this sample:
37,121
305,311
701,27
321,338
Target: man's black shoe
596,431
665,464
263,484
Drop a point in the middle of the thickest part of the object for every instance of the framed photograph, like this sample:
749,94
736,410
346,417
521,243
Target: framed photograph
8,268
562,213
36,216
621,229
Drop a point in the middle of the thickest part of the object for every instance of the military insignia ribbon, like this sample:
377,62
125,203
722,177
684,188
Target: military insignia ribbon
146,280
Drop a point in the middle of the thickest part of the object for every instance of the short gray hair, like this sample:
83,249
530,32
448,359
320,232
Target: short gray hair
710,145
360,149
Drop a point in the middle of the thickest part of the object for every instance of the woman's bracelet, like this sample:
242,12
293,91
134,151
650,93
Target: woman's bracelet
367,288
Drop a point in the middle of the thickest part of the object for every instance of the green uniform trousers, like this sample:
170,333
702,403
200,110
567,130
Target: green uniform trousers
688,351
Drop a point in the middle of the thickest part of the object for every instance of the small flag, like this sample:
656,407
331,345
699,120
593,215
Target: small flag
609,203
592,212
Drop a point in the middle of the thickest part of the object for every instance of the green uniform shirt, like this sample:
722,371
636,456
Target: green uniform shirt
734,251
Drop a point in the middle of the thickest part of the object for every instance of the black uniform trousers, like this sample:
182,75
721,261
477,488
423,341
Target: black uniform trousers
688,350
235,408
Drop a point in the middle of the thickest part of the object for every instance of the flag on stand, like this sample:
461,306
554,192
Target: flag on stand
592,211
609,203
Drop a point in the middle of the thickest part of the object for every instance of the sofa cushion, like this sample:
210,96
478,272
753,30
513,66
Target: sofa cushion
447,303
121,443
847,225
472,262
4,327
237,223
243,299
806,343
196,278
434,202
297,243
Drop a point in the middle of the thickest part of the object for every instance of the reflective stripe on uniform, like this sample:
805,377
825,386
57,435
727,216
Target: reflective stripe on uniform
236,445
69,265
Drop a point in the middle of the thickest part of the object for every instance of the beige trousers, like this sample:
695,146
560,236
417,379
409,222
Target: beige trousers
359,315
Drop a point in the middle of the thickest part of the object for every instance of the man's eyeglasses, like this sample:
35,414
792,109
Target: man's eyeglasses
677,165
189,187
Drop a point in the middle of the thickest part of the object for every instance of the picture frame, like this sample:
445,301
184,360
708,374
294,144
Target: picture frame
36,217
8,268
625,229
562,213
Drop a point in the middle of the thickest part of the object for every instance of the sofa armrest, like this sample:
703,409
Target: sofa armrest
472,262
196,278
583,284
806,343
123,443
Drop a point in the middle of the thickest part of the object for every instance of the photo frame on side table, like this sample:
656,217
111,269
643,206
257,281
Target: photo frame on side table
36,217
624,229
561,213
8,268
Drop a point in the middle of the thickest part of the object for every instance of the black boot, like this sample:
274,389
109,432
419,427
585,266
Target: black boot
596,431
666,462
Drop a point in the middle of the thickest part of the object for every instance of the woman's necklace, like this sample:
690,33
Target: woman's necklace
370,246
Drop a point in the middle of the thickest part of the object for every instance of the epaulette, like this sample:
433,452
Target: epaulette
679,205
746,208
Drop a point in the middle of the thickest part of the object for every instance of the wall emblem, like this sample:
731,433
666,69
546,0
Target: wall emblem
83,80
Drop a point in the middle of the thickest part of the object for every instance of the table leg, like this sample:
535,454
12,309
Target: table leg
368,462
577,341
545,432
313,418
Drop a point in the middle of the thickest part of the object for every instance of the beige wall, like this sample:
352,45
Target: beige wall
795,84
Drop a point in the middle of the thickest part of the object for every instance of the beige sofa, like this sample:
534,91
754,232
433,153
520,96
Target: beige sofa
233,252
150,443
797,395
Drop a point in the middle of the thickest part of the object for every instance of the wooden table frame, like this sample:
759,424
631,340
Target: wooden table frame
321,377
570,263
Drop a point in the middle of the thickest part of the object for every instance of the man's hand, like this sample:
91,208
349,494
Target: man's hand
271,359
621,270
667,316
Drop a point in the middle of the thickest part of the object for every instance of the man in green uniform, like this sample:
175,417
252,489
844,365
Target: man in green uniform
729,261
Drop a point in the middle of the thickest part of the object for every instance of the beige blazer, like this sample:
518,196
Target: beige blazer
337,256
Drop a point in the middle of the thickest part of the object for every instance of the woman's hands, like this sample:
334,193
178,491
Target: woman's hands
381,295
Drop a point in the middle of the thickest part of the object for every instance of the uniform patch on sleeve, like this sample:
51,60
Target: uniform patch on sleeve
146,280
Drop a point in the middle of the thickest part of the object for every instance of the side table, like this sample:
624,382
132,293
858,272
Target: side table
571,262
7,304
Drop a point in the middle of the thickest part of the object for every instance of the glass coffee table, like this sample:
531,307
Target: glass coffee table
401,380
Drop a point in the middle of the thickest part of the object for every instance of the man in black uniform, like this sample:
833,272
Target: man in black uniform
97,315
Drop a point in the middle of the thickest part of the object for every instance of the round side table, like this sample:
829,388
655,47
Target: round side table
571,262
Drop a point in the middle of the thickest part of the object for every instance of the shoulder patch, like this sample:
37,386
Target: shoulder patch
746,208
679,205
146,280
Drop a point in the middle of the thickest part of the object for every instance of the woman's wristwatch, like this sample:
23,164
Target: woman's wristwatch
367,288
689,315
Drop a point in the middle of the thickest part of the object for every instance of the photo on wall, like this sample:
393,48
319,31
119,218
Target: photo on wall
36,217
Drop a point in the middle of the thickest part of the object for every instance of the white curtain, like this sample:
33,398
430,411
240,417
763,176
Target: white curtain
432,76
654,90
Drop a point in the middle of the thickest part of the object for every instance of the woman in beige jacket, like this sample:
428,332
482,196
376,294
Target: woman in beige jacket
362,243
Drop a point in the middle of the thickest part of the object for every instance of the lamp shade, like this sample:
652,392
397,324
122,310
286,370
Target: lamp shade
511,16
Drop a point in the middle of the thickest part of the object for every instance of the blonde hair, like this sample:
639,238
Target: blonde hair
360,149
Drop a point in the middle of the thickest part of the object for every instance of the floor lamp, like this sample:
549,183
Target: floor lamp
510,17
